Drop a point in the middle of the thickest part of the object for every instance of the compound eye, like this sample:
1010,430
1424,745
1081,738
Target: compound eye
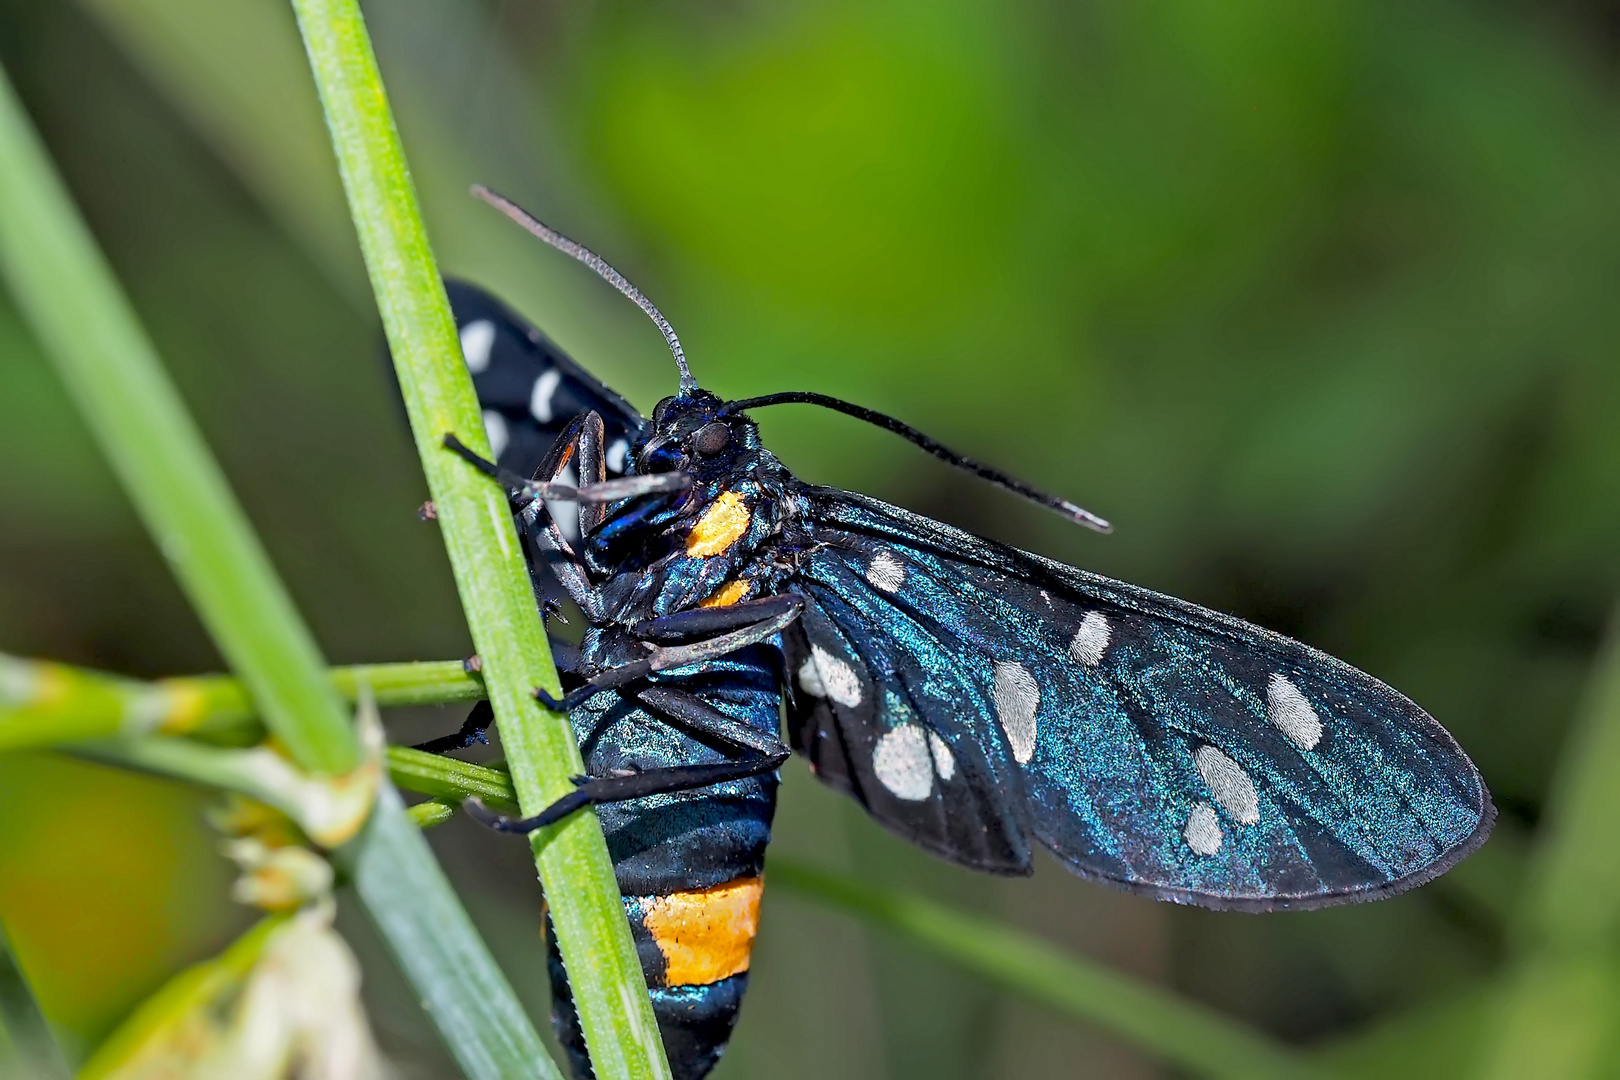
661,408
711,438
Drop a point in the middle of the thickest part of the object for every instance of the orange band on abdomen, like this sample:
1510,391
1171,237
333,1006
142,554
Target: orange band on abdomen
705,935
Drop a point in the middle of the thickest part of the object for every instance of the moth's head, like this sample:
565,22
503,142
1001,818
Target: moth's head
691,432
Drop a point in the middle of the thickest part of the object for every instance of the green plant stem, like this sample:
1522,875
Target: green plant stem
27,1047
450,780
443,779
1573,902
1552,1018
592,934
1156,1021
480,1017
1176,1031
194,988
70,298
47,704
74,304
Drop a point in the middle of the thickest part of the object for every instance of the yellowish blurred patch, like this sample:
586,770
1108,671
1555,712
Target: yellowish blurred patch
109,882
283,1001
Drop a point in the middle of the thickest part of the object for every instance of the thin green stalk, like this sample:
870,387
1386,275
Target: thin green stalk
27,1047
193,989
442,778
70,298
69,295
1174,1030
476,1012
450,780
1556,1011
1573,902
609,988
47,704
1156,1021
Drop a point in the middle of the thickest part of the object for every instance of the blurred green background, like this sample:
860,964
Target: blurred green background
1315,301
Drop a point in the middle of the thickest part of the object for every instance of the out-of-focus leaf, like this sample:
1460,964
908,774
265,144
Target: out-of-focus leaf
1438,1040
1178,1031
474,517
220,62
1560,1011
28,1050
282,1001
76,307
1556,1016
224,64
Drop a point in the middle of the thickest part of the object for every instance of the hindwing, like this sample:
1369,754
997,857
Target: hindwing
971,695
529,388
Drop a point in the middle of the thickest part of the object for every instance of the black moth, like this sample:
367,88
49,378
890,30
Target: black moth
974,698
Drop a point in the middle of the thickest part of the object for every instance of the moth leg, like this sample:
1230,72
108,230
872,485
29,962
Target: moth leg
713,620
665,657
595,790
545,542
695,716
596,492
591,468
472,731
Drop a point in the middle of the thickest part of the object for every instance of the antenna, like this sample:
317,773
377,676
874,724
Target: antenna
804,397
585,255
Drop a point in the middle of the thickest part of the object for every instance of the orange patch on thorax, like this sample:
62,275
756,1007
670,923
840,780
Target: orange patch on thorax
705,935
728,593
721,525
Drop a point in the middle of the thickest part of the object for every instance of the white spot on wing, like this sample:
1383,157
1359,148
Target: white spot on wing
1091,639
825,675
617,451
810,678
903,762
540,398
495,431
477,338
886,572
944,760
1229,784
566,514
1203,831
1017,700
1287,708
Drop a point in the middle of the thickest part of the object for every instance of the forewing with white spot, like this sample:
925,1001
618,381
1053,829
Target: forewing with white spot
1148,742
528,388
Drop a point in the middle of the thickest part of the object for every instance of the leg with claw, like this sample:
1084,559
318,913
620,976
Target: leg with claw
482,716
599,492
471,732
606,789
697,717
684,625
665,657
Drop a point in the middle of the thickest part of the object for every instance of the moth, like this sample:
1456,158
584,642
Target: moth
976,699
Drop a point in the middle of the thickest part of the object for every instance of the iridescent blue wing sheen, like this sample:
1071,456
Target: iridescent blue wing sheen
973,697
529,388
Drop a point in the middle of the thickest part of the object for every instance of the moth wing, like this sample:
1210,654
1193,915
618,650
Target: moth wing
1148,742
869,715
529,388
